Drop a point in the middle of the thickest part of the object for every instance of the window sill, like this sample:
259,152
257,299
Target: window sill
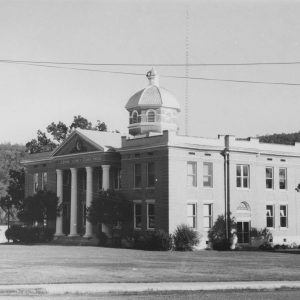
137,229
242,189
150,188
283,228
150,229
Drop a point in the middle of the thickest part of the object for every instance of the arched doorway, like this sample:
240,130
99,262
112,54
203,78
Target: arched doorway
243,222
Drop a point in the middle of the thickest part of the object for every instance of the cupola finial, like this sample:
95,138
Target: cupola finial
153,77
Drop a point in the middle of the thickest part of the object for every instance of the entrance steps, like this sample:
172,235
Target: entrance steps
74,241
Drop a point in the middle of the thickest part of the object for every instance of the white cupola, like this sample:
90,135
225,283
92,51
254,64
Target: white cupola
153,109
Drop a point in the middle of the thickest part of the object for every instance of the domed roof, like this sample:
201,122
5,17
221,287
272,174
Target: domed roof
153,95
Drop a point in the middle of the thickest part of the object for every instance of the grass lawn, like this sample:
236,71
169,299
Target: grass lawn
70,264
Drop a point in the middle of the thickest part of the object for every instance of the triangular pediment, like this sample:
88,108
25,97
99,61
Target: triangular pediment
76,143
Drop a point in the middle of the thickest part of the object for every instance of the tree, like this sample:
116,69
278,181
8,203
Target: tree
81,122
59,131
42,206
100,126
217,234
40,144
281,138
16,186
109,208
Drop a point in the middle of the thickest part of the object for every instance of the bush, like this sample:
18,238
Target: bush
217,234
29,235
266,246
102,239
157,240
185,238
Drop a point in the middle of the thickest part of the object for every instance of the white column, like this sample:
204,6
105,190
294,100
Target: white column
73,219
59,193
89,197
105,186
105,177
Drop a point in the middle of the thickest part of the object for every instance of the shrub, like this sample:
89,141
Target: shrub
185,238
102,238
29,235
217,234
158,240
266,246
139,241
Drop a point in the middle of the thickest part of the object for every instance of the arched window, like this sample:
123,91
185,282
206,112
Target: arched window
151,116
134,116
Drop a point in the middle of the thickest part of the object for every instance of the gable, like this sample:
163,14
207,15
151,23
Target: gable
76,143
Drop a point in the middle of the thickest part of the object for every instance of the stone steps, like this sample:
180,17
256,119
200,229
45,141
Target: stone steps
74,241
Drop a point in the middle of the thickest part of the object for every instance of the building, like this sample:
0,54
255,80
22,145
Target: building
172,179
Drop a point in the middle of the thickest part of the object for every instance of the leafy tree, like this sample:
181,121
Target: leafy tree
16,187
109,208
10,156
281,138
217,234
40,144
14,194
81,122
100,126
42,206
59,131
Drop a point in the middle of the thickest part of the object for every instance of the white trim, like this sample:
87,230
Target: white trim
135,202
150,201
195,217
147,117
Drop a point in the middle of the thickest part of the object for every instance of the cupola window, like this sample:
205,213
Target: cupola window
135,117
151,116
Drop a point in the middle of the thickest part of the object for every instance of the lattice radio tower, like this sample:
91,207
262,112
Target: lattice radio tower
187,48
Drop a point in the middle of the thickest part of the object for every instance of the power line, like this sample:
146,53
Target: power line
164,76
154,64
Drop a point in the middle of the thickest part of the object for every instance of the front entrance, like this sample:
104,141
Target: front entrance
66,217
243,232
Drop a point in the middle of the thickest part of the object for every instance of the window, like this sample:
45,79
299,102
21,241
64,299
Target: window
282,179
137,175
269,177
137,212
150,215
44,181
270,216
242,176
35,182
192,174
207,216
191,215
207,174
283,216
151,116
150,174
135,117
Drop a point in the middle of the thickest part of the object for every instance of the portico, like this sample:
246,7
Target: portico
88,190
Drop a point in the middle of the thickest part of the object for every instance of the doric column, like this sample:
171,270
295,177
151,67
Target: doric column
59,193
73,219
105,177
89,197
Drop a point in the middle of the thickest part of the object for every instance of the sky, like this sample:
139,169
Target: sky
150,32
